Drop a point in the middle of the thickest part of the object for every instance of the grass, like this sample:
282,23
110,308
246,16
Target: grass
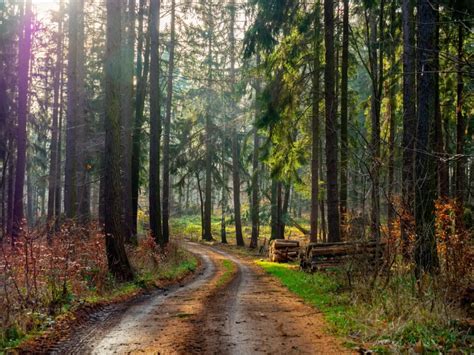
320,291
229,270
189,226
387,320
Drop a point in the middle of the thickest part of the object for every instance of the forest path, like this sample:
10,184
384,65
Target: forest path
218,312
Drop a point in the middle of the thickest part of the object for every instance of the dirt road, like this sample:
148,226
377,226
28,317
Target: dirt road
248,313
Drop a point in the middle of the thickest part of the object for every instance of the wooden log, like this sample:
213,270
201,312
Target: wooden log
277,243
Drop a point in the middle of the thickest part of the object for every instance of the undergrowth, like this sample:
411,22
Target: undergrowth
41,280
391,317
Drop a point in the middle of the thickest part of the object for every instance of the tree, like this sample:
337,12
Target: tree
425,193
315,128
207,232
54,181
391,111
460,125
255,205
235,137
166,141
344,110
23,78
409,120
155,125
126,107
142,70
113,206
75,187
331,125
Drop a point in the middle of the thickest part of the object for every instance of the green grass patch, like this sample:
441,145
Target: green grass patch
229,270
176,271
392,318
319,290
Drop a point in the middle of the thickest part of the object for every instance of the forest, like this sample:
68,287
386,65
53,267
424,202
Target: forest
236,176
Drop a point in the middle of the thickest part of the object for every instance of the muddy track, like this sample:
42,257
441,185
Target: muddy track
250,314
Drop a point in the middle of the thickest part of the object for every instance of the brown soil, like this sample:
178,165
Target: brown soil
250,314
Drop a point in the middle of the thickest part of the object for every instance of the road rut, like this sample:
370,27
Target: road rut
250,314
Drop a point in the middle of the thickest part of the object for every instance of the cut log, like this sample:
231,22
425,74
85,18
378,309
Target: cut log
283,250
317,255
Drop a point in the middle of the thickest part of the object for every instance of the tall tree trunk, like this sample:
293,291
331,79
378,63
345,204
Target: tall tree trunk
224,188
155,125
201,202
75,173
4,157
10,193
284,210
274,210
460,124
344,111
331,125
30,203
460,135
409,122
53,182
82,125
113,204
391,110
376,69
143,66
322,202
23,79
443,172
208,132
126,113
315,127
166,142
425,193
255,205
58,195
235,133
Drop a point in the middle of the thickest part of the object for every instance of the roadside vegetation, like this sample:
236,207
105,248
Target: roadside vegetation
386,316
50,279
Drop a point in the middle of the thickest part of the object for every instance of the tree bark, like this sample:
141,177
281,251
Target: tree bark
409,122
235,133
442,166
208,132
425,193
75,174
142,70
155,125
113,194
460,124
128,52
53,182
315,129
391,110
23,81
331,125
344,111
376,69
166,142
255,206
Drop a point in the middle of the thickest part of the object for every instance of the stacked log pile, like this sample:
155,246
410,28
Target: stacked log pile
284,250
321,255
